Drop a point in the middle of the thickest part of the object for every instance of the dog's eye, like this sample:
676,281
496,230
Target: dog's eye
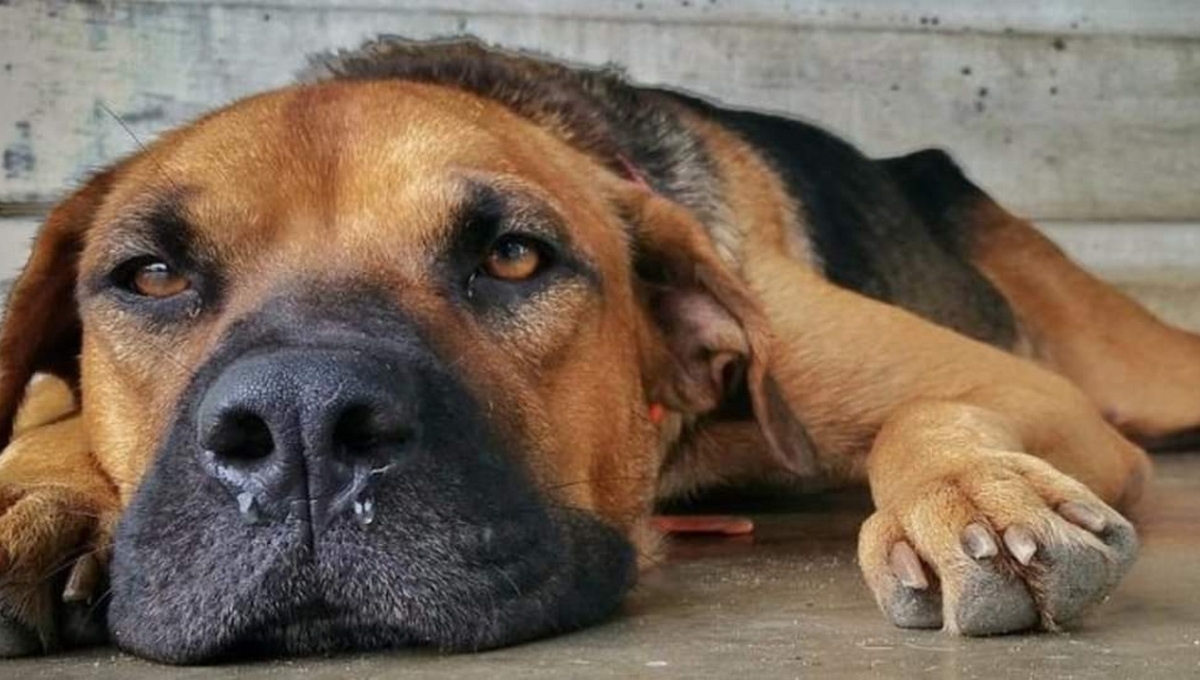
156,279
514,258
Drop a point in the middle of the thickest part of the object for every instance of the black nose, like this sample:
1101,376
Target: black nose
301,433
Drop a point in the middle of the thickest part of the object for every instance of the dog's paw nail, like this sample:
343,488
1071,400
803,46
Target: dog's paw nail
1020,542
977,541
907,567
81,584
1078,513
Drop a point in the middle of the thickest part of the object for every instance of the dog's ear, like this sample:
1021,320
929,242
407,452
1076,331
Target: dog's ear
710,332
41,329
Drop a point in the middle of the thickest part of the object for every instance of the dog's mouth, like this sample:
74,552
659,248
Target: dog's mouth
248,597
448,545
368,595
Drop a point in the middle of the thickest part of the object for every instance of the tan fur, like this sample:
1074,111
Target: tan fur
58,503
1143,374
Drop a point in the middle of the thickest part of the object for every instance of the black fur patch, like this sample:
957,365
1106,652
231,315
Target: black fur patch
868,229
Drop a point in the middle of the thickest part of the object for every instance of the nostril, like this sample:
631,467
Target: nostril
241,436
362,429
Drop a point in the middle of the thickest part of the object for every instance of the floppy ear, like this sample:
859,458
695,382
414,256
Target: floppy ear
41,331
711,332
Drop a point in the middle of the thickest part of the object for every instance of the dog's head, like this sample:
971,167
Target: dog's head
370,361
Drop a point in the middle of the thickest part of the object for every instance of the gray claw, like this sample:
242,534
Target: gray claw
907,566
977,542
81,584
1082,515
1020,543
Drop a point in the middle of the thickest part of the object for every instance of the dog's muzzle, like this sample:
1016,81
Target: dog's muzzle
331,482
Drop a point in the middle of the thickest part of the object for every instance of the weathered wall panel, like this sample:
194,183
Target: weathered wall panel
1109,17
1066,110
16,235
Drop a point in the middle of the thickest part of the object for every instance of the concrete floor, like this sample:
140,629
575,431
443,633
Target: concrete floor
788,602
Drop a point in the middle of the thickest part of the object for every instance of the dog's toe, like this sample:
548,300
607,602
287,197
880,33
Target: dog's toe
992,601
913,602
1082,561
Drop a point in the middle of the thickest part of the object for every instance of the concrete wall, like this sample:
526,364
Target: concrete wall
1074,111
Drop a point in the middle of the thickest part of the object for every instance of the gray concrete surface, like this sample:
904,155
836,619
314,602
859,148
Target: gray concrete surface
788,603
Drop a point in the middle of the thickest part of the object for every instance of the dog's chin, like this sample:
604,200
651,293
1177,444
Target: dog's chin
250,597
535,596
460,554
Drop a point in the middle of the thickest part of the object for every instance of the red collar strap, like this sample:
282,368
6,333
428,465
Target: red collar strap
657,412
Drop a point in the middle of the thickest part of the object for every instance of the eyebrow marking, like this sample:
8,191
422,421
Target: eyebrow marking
157,227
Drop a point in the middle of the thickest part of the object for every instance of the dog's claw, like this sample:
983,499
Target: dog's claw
978,542
1080,514
81,584
907,566
1020,543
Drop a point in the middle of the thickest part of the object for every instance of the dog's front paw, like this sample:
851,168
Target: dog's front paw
1005,544
57,514
53,552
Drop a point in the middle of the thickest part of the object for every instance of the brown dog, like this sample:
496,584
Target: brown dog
405,356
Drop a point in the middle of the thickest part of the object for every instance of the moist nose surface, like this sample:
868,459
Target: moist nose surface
302,433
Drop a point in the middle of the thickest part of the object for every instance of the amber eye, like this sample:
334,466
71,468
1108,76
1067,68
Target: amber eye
158,280
513,258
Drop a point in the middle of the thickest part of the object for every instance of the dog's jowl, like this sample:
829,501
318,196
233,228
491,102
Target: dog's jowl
405,354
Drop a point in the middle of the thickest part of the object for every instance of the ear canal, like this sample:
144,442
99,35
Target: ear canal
710,324
41,329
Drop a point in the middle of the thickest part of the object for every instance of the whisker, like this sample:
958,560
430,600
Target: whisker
162,171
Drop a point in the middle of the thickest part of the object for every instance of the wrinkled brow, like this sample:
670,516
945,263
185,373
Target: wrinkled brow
157,226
